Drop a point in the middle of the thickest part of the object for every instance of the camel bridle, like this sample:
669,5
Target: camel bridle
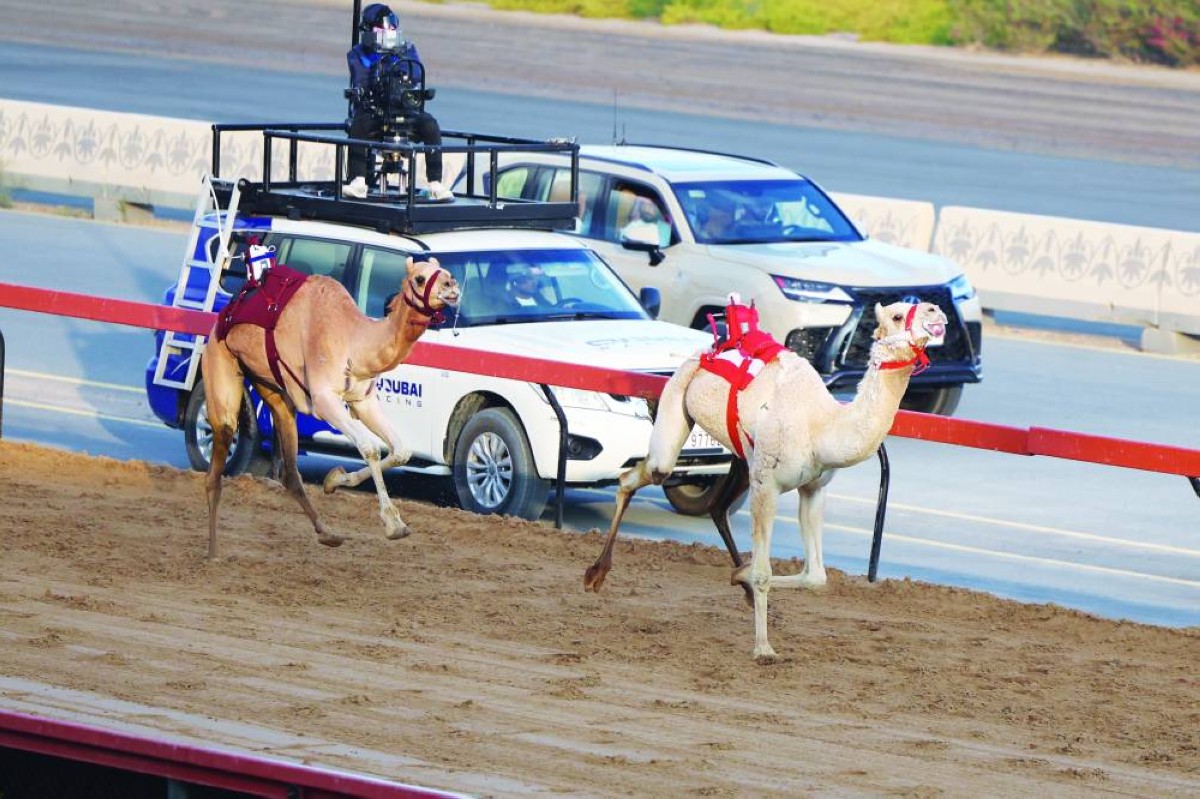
920,360
419,301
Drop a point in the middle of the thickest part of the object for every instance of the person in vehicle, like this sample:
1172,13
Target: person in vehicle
524,287
381,47
717,221
646,224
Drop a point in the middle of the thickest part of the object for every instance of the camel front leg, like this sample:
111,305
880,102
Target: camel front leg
367,419
812,524
763,501
283,417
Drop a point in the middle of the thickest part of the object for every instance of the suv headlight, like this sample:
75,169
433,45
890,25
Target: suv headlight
810,290
578,398
599,401
961,289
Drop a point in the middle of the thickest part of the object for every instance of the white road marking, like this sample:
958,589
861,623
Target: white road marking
1013,556
75,381
1031,528
41,406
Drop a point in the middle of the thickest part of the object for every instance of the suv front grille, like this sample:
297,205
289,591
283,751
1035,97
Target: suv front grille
855,352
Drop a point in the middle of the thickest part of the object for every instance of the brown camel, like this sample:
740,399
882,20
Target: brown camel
329,355
795,435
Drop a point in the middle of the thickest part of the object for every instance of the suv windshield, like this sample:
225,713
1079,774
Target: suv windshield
762,212
510,286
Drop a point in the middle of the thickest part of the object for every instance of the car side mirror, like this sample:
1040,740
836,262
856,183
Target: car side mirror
657,256
651,300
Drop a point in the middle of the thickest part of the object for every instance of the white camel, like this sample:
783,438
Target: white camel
794,434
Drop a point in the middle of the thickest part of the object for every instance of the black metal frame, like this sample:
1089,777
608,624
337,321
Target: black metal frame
402,212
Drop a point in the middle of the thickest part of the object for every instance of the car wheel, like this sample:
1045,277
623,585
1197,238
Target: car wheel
246,454
942,400
493,467
692,499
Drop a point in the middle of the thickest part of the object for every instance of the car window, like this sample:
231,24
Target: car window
507,286
314,256
633,212
381,275
514,183
762,211
553,184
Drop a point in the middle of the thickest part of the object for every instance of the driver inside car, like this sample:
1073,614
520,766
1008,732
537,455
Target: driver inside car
524,287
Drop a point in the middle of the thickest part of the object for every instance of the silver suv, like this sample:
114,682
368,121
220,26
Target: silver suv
699,225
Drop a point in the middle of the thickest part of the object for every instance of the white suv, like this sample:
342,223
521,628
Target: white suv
497,439
526,290
699,225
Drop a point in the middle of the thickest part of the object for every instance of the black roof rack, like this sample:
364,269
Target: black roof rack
392,211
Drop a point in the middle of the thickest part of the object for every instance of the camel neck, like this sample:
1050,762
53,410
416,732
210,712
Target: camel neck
866,420
391,339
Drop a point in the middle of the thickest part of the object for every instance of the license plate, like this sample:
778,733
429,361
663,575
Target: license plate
700,439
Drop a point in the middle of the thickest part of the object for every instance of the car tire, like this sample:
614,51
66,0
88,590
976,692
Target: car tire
942,400
246,454
693,498
494,470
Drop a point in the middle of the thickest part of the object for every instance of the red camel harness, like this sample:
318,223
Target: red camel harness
738,359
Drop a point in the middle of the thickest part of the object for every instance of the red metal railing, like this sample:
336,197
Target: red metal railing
945,430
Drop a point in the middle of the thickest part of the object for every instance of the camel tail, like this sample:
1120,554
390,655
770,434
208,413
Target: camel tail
672,423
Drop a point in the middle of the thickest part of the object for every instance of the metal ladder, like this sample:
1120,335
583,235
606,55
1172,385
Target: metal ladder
186,344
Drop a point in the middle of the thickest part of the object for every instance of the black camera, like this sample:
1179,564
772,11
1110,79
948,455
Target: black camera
394,93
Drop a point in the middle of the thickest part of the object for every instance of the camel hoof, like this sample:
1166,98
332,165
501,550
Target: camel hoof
334,480
396,533
766,658
330,539
594,578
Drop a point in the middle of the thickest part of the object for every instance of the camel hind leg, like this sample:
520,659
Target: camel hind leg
734,486
223,403
283,417
671,429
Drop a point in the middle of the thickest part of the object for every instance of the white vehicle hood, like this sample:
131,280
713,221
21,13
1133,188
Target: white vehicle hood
854,263
629,345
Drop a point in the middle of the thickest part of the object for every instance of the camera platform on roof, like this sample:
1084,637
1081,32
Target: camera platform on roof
312,187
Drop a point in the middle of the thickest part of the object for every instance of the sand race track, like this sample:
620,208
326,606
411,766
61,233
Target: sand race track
468,656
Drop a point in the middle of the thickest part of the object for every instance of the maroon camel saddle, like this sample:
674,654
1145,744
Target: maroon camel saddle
260,303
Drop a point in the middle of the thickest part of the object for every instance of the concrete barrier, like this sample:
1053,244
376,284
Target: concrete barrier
130,163
905,223
1067,268
1148,277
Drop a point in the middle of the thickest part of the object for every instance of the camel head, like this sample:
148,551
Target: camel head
906,329
428,288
